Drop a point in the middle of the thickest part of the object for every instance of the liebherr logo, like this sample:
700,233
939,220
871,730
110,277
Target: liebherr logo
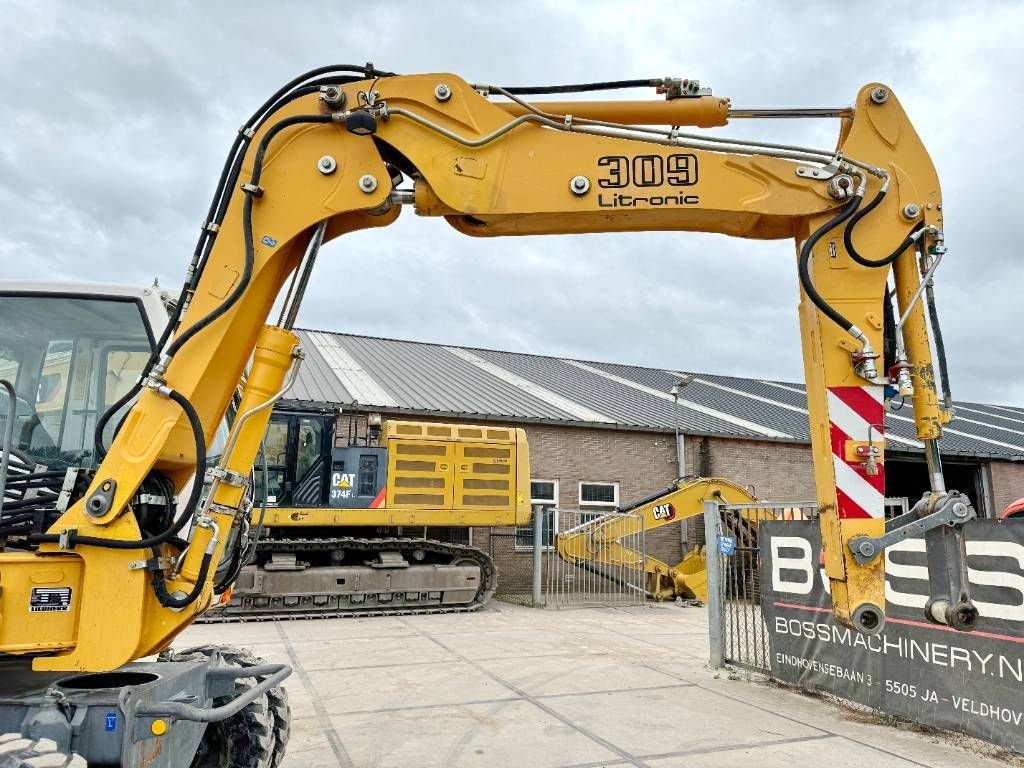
670,173
794,569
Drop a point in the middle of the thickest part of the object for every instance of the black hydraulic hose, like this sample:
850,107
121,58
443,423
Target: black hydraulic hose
218,208
804,261
940,348
243,558
607,85
36,475
186,515
10,506
250,252
889,341
848,236
160,585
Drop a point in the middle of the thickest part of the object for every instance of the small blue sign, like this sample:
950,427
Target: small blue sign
727,545
111,721
268,241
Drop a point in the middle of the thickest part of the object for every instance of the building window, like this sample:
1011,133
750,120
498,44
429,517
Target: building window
597,499
600,495
541,492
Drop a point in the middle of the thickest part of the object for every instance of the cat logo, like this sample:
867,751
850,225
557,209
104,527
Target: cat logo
343,479
664,512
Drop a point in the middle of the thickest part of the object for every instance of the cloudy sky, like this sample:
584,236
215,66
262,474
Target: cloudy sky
117,117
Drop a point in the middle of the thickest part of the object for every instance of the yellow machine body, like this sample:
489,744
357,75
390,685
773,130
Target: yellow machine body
455,475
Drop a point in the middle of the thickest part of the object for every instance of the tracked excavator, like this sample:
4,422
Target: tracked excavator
126,566
355,529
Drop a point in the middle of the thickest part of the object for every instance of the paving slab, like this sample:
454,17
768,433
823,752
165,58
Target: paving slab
787,754
326,654
687,720
508,733
555,676
409,686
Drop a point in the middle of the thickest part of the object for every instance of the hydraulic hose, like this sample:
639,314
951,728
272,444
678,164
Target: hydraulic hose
848,235
218,207
186,515
242,557
607,85
940,347
250,253
160,585
804,262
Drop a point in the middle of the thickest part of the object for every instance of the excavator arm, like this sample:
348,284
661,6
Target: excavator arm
601,540
328,154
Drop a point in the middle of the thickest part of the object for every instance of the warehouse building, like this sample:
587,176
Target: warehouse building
604,434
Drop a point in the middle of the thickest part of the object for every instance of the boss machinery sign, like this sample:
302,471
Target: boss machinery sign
966,682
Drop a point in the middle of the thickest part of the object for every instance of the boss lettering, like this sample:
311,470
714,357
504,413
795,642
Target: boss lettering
990,563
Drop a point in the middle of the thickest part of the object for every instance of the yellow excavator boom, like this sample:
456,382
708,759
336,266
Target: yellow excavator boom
328,155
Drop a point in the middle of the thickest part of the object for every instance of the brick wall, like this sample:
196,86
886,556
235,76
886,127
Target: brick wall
1007,483
777,471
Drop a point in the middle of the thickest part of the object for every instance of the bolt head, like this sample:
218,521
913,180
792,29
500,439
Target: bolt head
368,183
579,185
879,95
442,92
911,211
327,165
866,548
332,96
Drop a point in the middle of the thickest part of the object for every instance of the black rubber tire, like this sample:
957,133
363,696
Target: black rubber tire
17,751
281,714
244,740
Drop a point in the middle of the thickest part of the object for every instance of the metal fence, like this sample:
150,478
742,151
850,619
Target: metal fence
602,560
737,630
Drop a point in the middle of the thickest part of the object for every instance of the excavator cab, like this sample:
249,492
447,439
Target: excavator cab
67,353
310,465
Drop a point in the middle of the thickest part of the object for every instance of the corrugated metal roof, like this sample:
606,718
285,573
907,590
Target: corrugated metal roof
454,381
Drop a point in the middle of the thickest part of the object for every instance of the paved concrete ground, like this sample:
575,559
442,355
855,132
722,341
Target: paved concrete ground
525,688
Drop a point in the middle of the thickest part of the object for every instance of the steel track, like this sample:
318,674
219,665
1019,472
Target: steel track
488,581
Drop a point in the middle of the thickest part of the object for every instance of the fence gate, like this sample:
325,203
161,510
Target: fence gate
737,630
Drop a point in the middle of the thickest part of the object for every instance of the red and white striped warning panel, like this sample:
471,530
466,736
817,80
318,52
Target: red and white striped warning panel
851,412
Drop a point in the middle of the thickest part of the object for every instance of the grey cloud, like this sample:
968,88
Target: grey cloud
117,116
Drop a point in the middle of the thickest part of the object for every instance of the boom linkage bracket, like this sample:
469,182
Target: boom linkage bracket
940,517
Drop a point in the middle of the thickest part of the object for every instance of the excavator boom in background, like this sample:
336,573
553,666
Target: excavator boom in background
346,148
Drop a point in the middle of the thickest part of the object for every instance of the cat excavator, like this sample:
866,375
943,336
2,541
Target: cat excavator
126,566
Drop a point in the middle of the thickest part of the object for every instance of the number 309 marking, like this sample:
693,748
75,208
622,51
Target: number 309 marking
678,170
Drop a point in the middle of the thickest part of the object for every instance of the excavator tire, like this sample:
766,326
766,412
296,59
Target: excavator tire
253,738
281,715
17,751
